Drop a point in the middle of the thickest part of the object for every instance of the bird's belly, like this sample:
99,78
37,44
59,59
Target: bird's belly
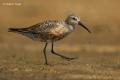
54,34
49,37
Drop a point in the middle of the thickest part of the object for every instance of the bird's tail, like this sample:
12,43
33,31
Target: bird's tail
16,30
12,30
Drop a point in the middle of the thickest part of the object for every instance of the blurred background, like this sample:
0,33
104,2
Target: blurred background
102,17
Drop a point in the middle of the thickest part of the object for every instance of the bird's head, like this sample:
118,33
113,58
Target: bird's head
75,20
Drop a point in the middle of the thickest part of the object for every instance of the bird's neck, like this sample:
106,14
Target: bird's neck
69,25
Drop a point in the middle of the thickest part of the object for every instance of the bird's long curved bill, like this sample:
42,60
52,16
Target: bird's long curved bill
81,24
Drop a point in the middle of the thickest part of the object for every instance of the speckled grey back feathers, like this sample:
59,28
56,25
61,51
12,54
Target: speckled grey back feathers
44,26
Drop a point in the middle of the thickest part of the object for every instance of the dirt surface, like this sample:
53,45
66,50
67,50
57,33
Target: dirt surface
93,63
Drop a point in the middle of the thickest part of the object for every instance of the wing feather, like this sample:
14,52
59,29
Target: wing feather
43,27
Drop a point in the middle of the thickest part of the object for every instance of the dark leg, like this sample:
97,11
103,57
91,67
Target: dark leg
64,57
44,51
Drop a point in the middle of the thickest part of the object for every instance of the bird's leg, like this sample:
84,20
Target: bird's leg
62,56
44,51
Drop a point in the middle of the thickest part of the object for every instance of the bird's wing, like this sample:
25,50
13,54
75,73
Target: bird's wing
43,27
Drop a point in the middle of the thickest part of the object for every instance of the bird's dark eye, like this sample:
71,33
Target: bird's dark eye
74,18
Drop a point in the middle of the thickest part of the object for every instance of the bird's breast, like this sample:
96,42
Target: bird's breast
60,30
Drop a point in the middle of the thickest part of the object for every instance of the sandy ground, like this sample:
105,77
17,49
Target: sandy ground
93,63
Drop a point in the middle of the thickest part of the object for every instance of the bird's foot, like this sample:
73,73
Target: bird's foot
69,59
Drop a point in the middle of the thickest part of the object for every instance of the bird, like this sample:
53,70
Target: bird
51,31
